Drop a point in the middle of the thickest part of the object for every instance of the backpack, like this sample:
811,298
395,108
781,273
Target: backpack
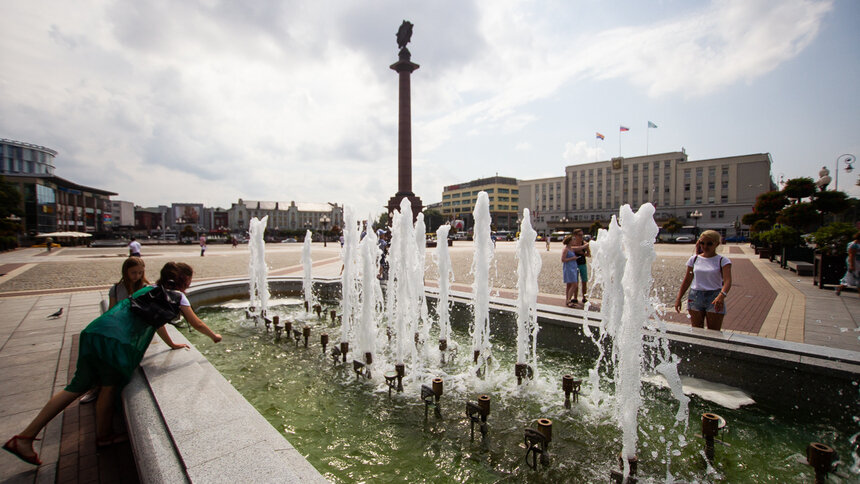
156,307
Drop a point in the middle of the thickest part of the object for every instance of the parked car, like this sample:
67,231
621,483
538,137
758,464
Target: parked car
685,239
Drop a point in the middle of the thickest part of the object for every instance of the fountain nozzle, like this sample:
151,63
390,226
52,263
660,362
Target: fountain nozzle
570,385
333,314
617,476
477,413
306,333
711,425
358,367
318,310
430,395
537,443
368,360
400,368
276,321
344,349
821,458
297,335
522,370
324,342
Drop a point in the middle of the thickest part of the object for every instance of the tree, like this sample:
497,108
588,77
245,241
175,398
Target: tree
834,238
672,225
433,219
382,222
10,199
799,188
800,216
830,202
768,205
594,228
188,231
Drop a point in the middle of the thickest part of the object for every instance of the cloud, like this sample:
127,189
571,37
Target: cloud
575,154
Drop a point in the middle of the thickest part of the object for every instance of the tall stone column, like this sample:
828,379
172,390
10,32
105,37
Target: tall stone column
404,68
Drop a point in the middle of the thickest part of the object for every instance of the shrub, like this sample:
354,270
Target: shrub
833,238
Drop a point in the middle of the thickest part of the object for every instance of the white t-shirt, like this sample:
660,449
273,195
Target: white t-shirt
134,247
707,272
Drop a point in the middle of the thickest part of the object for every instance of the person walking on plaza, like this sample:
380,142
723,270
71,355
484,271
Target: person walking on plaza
581,263
48,243
570,271
134,247
110,349
709,278
202,245
852,275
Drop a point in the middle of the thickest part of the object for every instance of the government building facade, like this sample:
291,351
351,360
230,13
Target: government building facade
708,194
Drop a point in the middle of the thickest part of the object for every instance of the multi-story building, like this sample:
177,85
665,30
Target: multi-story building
286,215
51,203
122,214
709,194
458,201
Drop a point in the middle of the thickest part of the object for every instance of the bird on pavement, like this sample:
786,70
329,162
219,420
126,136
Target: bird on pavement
57,314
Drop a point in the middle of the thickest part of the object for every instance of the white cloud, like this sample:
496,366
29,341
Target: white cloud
581,152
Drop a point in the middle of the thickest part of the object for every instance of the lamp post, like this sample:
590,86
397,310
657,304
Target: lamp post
848,160
324,220
696,215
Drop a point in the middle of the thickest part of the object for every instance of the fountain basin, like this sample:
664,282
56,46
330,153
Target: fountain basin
804,381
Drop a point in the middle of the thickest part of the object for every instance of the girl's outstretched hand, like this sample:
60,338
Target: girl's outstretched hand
216,338
178,346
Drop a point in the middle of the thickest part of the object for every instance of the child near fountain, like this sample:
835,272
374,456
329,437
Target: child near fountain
131,281
709,277
852,275
110,349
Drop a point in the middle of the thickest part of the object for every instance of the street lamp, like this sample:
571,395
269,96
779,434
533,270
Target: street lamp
696,215
848,160
324,221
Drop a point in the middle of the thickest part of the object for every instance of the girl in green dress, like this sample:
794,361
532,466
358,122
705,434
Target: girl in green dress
110,349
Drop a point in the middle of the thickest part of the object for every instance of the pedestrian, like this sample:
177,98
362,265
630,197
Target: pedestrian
134,247
581,264
110,349
546,237
48,243
852,275
235,241
709,277
569,270
202,245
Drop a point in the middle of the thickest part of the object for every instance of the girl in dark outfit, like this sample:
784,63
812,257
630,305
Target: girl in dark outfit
110,349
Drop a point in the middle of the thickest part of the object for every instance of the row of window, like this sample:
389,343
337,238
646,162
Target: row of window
512,191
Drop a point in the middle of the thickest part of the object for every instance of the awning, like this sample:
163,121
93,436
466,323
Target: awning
66,234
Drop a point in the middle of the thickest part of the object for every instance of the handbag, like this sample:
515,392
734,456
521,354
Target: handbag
156,307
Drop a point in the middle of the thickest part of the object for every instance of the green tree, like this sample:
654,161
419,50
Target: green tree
799,188
782,236
433,219
834,238
188,231
594,228
10,199
801,216
672,225
831,202
768,205
382,222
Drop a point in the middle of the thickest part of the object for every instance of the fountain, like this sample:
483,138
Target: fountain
480,331
307,264
258,285
349,281
528,269
446,276
622,262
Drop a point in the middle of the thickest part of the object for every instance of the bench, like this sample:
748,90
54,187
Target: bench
801,268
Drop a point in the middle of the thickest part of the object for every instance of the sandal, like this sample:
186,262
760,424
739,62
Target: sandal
12,447
112,440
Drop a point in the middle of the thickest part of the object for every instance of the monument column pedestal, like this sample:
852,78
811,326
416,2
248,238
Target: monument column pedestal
404,67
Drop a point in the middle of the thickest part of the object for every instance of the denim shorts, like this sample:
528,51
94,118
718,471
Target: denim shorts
703,301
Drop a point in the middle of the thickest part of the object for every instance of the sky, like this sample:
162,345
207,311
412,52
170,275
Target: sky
209,101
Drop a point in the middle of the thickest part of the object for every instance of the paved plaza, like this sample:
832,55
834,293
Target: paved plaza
36,350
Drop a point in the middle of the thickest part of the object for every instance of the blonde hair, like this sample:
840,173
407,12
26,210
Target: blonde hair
712,236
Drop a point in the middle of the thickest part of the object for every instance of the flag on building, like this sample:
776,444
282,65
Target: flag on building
624,128
651,125
599,136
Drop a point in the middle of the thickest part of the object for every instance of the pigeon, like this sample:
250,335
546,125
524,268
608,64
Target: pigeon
57,314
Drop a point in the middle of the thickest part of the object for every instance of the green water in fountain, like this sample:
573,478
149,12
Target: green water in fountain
351,431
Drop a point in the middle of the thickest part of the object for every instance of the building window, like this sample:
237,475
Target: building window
687,174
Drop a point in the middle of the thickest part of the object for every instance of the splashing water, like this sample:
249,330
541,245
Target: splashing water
528,269
351,232
402,306
307,264
480,329
446,276
370,292
622,266
258,272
